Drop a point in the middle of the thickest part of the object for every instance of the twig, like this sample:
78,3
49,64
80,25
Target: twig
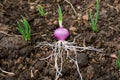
5,33
72,7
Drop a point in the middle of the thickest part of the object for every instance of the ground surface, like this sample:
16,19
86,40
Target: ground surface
18,57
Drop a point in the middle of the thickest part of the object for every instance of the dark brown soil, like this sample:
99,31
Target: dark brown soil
19,57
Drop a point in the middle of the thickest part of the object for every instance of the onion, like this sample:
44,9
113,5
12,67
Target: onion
61,33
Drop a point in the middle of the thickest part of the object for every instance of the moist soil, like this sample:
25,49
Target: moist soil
20,57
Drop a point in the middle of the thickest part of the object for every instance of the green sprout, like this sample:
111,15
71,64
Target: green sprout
93,23
118,60
60,16
41,11
24,28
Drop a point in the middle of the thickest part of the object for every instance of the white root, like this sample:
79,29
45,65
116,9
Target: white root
6,72
62,48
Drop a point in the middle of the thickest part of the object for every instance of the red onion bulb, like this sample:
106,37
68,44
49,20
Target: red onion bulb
61,33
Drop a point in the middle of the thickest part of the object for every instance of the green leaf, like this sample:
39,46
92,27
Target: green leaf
97,11
24,28
21,30
59,13
93,25
41,11
118,64
93,22
119,54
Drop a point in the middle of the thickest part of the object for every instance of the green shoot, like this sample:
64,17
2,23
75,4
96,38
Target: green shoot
24,28
93,23
118,60
41,11
60,16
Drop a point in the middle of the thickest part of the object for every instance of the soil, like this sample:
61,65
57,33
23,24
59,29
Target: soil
19,56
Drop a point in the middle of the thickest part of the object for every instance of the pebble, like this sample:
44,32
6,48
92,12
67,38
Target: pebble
40,65
82,59
72,29
85,17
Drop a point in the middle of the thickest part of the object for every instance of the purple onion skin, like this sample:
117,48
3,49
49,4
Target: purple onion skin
61,33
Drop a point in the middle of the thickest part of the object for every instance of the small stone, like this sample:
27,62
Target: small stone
40,65
85,17
25,50
72,28
78,7
114,56
55,22
73,17
82,59
79,17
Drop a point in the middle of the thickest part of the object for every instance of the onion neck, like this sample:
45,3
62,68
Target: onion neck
60,24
